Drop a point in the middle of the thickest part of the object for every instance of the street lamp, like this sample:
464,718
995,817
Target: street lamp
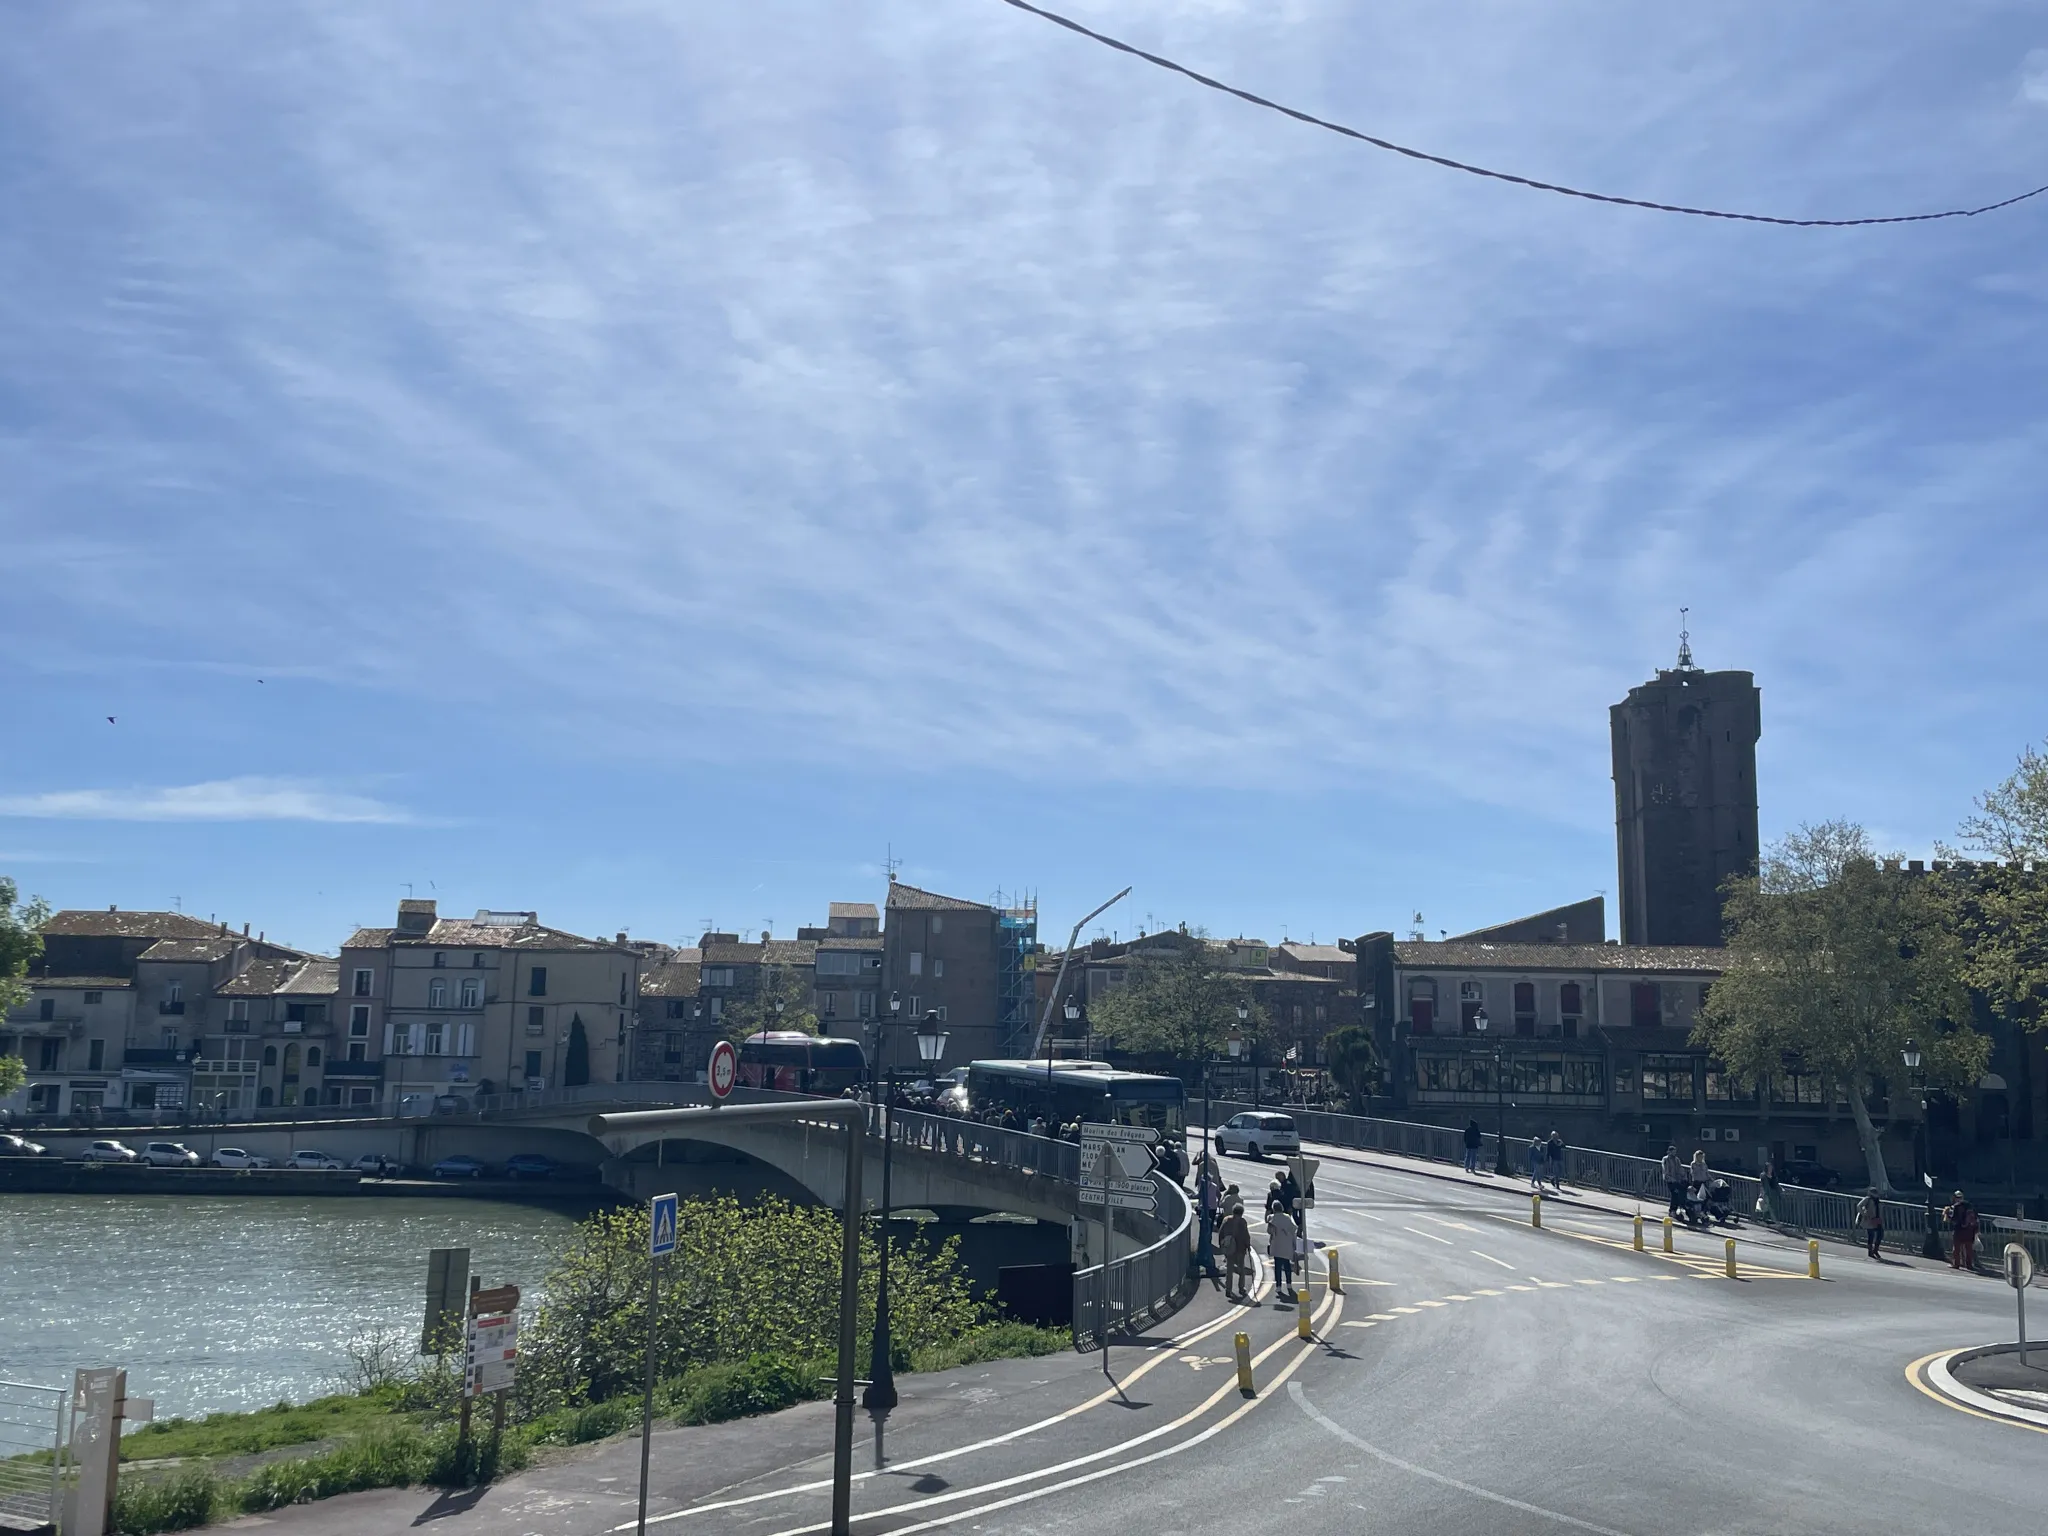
1244,1015
1073,1015
1930,1236
931,1048
1480,1023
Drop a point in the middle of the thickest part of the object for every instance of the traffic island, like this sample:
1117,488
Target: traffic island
1990,1381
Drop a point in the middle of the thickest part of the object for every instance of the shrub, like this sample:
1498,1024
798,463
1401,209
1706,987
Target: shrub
743,1388
169,1504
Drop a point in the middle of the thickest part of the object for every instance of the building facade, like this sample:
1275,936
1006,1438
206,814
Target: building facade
1685,799
970,962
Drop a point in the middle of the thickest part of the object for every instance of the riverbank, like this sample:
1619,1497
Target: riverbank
179,1474
50,1176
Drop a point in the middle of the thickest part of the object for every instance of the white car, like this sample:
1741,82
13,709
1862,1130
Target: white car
1257,1132
235,1157
308,1158
109,1152
169,1154
375,1165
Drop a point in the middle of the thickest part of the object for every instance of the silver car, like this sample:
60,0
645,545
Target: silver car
169,1154
235,1157
109,1152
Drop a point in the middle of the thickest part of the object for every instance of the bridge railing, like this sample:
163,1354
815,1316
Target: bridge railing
987,1144
1142,1287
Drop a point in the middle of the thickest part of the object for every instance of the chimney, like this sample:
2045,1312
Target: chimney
245,930
415,916
112,908
223,930
622,938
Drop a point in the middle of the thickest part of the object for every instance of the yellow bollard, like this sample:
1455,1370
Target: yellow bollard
1813,1258
1667,1234
1244,1365
1639,1231
1731,1258
1336,1278
1535,1210
1301,1312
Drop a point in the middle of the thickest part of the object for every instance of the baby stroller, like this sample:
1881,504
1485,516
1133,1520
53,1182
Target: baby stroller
1719,1204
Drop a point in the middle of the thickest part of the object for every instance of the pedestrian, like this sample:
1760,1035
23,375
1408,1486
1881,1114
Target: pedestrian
1767,1192
1557,1162
1539,1155
1472,1139
1276,1198
1962,1220
1207,1193
1290,1192
1674,1179
1281,1236
1870,1217
1236,1235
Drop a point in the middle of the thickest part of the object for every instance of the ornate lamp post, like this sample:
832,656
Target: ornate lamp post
931,1047
1244,1015
1930,1238
1073,1016
1481,1023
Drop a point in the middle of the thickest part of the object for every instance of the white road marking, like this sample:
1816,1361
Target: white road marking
1301,1401
1430,1235
1503,1263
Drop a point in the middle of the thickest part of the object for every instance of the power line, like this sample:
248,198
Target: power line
1479,170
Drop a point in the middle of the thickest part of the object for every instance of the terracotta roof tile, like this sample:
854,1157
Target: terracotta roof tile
908,898
90,922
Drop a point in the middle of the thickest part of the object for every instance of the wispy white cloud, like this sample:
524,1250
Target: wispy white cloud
250,798
2034,77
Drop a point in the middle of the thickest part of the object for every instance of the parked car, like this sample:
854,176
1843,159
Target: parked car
19,1146
235,1157
308,1157
375,1165
531,1165
1257,1132
1804,1171
169,1154
109,1152
461,1166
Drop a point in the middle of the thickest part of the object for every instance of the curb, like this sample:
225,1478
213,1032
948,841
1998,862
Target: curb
1941,1380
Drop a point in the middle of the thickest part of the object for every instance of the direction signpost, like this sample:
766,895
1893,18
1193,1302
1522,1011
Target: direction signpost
2019,1274
723,1072
1115,1169
662,1212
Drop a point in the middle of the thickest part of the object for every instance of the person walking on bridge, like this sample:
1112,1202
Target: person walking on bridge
1281,1236
1556,1160
1870,1217
1962,1220
1674,1179
1236,1236
1472,1139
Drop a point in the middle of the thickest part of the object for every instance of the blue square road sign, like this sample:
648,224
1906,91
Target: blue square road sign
661,1229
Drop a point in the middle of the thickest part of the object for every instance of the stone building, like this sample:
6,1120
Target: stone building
969,961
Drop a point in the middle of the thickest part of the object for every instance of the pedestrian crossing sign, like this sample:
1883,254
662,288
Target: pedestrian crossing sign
661,1230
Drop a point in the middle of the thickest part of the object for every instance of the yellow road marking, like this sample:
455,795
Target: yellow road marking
1917,1370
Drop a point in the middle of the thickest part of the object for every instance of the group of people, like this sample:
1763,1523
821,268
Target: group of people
1958,1215
1545,1158
1285,1244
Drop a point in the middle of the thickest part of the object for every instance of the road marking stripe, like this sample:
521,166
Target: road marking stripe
1592,1282
1457,1298
1624,1279
1521,1287
1503,1263
1301,1401
1489,1293
1405,1311
1916,1374
1430,1235
1381,1317
1429,1303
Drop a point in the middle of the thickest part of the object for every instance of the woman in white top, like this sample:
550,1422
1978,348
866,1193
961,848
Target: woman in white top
1281,1236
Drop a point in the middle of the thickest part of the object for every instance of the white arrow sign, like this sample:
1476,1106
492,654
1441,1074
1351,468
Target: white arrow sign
1123,1158
1098,1131
1120,1199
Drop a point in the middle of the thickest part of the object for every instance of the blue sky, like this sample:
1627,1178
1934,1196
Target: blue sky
647,461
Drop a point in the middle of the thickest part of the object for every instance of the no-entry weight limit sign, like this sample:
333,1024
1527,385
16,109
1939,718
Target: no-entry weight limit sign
724,1070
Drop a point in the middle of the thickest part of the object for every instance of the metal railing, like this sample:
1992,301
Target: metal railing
1790,1207
32,1453
989,1144
1143,1287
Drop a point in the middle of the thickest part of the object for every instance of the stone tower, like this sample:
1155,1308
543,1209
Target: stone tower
1684,799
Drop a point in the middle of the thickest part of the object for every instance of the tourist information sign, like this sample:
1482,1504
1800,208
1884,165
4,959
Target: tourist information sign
493,1353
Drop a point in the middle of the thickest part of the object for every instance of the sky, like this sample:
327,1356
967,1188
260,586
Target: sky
664,464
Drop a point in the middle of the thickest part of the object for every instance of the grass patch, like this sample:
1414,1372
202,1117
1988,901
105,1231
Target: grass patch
996,1341
264,1429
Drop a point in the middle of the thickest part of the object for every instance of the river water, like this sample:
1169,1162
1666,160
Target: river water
228,1303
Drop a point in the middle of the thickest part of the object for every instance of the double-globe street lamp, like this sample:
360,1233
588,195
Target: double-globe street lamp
931,1048
1480,1023
1930,1237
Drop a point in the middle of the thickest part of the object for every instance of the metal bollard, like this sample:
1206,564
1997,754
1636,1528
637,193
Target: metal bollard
1336,1278
1535,1210
1667,1234
1813,1258
1244,1365
1639,1231
1731,1258
1302,1330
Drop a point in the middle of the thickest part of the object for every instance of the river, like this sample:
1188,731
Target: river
216,1303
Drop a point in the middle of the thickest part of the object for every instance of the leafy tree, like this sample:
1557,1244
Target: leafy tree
21,941
1832,964
1354,1060
1178,1001
755,1012
2001,914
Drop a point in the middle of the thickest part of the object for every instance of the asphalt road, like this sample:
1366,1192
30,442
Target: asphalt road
1477,1376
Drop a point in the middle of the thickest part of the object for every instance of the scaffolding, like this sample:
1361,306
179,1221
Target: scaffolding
1017,973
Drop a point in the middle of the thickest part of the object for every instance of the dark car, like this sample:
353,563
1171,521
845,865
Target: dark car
461,1166
1809,1174
531,1165
17,1146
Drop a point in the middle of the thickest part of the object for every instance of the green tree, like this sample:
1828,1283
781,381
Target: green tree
1178,1001
21,941
1354,1061
1832,964
755,1012
2001,913
576,1058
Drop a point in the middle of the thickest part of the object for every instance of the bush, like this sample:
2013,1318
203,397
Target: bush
170,1504
758,1384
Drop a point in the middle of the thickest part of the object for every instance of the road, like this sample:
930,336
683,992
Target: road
1475,1376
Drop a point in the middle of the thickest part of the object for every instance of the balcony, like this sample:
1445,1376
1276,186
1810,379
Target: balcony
155,1056
354,1071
